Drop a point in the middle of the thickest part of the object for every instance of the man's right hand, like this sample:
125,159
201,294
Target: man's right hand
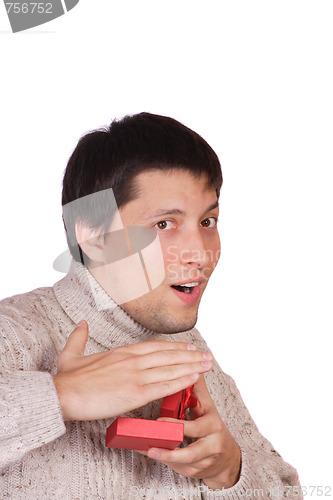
110,383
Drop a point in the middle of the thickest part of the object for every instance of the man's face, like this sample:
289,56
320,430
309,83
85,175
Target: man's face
184,212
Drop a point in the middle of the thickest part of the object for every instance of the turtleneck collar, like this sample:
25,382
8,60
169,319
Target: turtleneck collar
82,297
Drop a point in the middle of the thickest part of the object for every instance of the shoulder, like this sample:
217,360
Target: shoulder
29,334
28,307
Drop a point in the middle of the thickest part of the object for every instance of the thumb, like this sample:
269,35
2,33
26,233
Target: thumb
75,344
201,393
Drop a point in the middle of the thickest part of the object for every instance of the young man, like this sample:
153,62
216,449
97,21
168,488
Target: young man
140,203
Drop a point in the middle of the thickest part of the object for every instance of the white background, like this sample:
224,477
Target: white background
255,79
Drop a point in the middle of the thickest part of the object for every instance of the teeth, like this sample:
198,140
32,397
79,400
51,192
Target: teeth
187,287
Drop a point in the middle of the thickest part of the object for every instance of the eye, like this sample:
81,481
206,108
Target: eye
164,224
209,222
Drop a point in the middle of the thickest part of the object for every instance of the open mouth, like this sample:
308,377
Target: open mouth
188,293
187,288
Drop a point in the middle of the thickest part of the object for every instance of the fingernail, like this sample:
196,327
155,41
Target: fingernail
206,364
194,376
153,454
80,324
207,355
191,347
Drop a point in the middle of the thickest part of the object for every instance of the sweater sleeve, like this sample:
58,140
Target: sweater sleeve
263,474
30,412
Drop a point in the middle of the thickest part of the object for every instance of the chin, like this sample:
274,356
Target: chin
172,326
173,332
160,318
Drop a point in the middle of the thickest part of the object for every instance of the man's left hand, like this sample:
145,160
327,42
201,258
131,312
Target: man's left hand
214,456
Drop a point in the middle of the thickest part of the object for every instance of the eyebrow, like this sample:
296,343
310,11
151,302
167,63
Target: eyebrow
175,211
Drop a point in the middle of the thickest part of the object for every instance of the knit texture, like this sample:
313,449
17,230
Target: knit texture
41,457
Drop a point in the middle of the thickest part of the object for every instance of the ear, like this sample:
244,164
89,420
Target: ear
91,241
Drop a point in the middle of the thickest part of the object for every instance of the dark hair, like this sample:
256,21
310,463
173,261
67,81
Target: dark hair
113,156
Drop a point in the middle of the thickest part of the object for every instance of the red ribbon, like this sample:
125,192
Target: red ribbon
187,401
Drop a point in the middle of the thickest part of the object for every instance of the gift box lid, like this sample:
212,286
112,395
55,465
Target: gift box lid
141,434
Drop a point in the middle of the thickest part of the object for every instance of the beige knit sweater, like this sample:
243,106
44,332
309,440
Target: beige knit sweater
41,457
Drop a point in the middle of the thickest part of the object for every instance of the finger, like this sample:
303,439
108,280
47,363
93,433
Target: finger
204,426
173,372
190,455
166,388
196,429
169,419
204,400
77,340
159,345
172,357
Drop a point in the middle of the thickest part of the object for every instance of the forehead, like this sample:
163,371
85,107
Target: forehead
170,183
159,193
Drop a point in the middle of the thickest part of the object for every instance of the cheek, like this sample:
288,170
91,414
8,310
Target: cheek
153,260
213,247
171,260
170,253
217,249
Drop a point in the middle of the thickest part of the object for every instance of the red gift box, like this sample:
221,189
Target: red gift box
141,434
174,406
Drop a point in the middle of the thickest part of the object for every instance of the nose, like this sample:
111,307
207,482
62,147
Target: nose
193,251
